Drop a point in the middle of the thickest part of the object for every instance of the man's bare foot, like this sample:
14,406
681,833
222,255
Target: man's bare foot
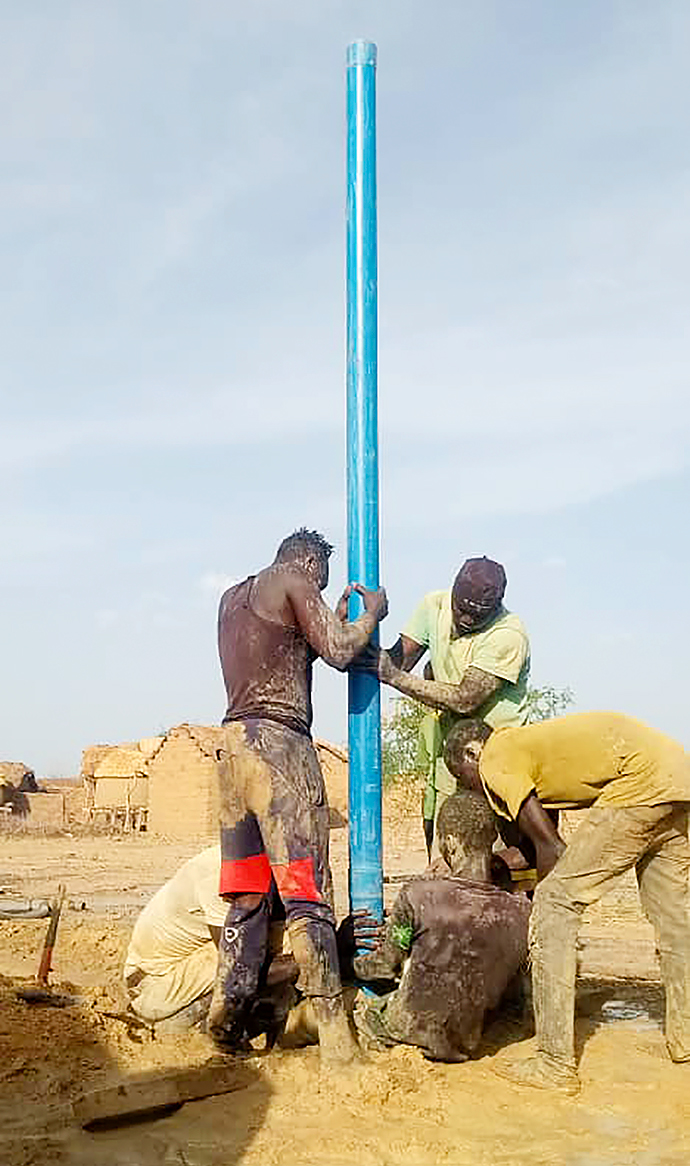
301,1028
540,1072
337,1044
228,1036
370,1027
228,1046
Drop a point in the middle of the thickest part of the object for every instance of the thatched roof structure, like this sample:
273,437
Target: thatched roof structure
91,759
13,772
119,762
127,760
334,750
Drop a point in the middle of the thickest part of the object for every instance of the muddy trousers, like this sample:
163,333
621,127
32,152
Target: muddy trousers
612,840
244,954
274,821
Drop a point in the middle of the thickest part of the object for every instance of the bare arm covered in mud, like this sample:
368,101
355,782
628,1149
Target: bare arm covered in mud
474,689
335,641
536,823
385,960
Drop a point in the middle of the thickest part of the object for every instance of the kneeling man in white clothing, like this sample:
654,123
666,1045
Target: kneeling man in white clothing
171,962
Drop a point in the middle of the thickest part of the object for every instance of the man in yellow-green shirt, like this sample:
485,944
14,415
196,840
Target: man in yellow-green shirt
637,782
479,660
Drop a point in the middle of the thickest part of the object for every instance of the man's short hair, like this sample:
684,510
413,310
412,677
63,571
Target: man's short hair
304,542
459,738
468,816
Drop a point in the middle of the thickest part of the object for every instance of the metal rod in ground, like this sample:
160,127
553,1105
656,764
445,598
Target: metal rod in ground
364,704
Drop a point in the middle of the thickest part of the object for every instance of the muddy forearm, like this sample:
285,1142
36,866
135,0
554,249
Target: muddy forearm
333,640
382,964
461,698
534,821
405,653
341,642
386,961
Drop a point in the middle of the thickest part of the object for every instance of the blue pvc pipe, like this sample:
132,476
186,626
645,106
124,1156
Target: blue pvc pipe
364,702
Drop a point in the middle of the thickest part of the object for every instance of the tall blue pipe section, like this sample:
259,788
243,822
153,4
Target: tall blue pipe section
364,701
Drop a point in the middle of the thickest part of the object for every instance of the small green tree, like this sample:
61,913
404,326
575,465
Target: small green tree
399,738
400,727
544,703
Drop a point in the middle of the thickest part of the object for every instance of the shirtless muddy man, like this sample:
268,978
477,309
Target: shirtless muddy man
273,807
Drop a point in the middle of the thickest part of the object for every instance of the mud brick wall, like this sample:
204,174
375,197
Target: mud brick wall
334,771
183,791
75,804
46,810
43,812
111,792
139,793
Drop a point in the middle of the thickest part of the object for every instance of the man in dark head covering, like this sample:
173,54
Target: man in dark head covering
477,595
479,658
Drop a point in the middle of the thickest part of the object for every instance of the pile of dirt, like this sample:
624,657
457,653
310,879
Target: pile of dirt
46,1053
633,1108
51,1056
89,949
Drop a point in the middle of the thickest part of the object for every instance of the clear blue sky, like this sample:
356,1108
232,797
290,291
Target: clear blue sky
172,233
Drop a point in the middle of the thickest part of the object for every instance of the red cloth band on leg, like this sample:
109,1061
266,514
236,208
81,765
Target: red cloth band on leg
296,880
245,874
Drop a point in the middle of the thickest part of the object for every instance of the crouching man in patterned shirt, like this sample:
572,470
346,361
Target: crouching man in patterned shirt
457,942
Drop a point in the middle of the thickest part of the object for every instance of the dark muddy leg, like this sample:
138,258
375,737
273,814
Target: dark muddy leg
241,956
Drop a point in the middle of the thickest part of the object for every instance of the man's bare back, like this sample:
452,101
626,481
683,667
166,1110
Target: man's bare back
271,628
273,804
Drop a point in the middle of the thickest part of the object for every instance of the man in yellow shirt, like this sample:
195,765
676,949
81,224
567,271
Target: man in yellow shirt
479,655
637,783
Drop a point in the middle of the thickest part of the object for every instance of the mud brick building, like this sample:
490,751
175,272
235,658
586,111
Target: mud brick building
183,783
169,784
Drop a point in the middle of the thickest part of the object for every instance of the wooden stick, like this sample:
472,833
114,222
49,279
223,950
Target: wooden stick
135,1099
45,965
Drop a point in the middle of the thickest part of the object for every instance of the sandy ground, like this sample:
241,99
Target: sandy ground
634,1109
